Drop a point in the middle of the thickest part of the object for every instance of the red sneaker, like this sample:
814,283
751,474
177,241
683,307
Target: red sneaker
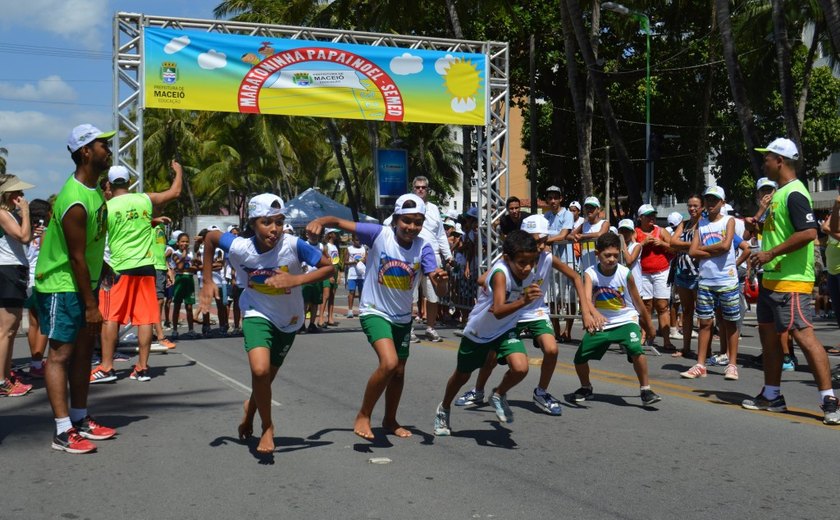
166,343
71,442
14,388
90,429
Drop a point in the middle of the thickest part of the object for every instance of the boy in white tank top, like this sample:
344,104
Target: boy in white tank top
610,288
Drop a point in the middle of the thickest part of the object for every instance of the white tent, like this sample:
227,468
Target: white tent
312,204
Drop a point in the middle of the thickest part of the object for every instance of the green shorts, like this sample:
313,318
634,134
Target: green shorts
536,327
595,344
471,355
329,283
61,315
377,327
312,293
31,302
184,289
261,333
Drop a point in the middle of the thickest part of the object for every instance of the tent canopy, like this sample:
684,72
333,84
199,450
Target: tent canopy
312,204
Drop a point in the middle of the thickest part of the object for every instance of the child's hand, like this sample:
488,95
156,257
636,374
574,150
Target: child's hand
282,280
439,275
207,296
593,321
531,293
314,227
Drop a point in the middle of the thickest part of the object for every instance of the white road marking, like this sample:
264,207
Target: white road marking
224,377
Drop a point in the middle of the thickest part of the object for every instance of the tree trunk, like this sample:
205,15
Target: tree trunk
593,71
466,131
703,134
589,107
785,77
739,92
831,11
806,74
335,141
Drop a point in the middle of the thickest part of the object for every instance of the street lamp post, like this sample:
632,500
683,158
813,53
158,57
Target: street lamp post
644,21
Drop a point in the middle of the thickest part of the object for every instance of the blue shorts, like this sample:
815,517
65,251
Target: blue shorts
727,299
686,281
61,315
354,285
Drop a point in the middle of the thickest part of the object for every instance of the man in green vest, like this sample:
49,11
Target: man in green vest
66,275
133,296
784,301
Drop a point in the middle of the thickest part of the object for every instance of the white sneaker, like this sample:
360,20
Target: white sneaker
432,335
675,334
349,314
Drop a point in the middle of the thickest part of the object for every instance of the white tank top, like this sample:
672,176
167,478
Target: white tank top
587,248
610,295
718,270
636,267
12,252
482,325
537,309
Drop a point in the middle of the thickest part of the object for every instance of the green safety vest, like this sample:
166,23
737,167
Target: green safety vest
794,271
130,231
159,247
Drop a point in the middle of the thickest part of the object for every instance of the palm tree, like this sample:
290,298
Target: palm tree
3,154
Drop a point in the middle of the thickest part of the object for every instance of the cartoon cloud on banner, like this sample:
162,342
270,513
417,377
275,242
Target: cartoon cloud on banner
196,70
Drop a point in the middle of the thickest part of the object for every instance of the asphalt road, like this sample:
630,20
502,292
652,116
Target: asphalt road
696,454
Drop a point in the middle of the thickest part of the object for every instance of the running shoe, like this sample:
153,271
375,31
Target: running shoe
97,375
14,389
414,338
442,422
582,394
71,442
459,332
694,372
432,335
720,360
470,397
141,375
547,403
760,402
90,429
649,397
500,405
731,373
236,331
191,334
788,365
675,334
37,373
349,315
829,407
166,343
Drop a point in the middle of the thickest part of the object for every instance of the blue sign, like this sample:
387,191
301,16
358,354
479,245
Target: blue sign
391,175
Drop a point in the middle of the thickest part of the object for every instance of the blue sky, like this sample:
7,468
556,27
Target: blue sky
57,73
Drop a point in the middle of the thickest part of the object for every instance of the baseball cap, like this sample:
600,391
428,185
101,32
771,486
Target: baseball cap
85,134
626,223
675,218
458,230
764,182
118,175
214,228
574,204
472,212
232,227
781,146
645,209
419,205
716,191
592,201
535,224
12,183
449,223
287,228
553,189
175,234
261,205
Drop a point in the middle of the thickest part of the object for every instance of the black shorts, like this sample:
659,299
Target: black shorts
13,282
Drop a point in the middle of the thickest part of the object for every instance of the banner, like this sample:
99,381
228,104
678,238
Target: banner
196,70
391,175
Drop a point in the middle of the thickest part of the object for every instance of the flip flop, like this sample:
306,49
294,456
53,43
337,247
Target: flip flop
832,351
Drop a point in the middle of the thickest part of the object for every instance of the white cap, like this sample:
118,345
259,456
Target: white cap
765,182
553,188
118,175
261,205
458,230
232,227
726,209
536,225
574,204
287,228
419,205
675,218
175,234
626,223
781,146
472,212
449,222
214,227
613,230
84,134
592,201
716,191
645,209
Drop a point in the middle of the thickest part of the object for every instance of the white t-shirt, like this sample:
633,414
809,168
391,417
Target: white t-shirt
537,309
482,326
719,270
219,275
588,257
636,266
282,307
611,296
392,272
354,256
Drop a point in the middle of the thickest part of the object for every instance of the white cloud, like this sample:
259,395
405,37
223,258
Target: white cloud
442,64
78,21
406,64
32,125
176,44
211,60
51,88
463,105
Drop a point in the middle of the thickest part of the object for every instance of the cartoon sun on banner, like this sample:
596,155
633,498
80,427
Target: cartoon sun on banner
195,70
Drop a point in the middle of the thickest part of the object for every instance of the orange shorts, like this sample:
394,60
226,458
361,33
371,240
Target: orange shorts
132,299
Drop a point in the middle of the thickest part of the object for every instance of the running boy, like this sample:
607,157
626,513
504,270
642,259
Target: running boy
613,289
396,256
511,288
717,282
272,264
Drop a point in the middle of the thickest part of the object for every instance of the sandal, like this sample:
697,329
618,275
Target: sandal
832,351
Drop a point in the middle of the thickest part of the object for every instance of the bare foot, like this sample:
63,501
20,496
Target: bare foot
362,428
266,444
396,429
246,427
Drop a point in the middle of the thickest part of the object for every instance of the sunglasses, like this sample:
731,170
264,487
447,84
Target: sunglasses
421,187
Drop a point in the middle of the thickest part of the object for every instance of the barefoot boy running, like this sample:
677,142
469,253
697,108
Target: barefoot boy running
394,261
269,262
611,289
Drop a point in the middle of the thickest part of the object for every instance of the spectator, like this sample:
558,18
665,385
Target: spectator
655,266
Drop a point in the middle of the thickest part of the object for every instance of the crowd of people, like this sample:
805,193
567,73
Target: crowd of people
100,257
